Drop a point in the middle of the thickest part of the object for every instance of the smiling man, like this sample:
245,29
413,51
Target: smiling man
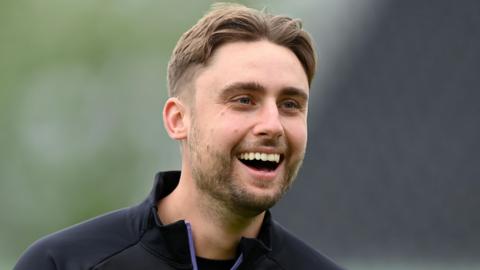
239,85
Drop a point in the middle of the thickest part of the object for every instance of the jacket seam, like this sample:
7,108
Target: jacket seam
52,259
168,260
116,252
275,261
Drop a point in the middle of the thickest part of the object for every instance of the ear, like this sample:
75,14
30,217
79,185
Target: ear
175,119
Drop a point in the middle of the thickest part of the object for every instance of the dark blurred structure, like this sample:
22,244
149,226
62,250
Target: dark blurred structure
394,154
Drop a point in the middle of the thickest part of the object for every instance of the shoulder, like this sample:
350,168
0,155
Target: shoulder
83,245
292,253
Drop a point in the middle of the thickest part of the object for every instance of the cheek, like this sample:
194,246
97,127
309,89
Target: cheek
223,134
296,133
231,123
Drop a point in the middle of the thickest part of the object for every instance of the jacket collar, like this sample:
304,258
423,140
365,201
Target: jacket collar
170,241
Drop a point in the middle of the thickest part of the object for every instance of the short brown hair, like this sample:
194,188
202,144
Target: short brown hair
233,22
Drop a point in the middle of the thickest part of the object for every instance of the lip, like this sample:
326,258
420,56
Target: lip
266,150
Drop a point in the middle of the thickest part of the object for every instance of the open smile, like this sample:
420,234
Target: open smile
267,162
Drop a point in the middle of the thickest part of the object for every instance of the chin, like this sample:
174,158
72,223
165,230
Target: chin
256,201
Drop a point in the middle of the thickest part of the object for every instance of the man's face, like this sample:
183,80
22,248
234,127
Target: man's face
248,125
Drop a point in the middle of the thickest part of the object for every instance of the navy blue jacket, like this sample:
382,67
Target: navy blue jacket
134,238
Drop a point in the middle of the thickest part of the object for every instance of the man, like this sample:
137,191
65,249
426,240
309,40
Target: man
239,85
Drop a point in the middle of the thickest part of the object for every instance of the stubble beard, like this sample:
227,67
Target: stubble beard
217,180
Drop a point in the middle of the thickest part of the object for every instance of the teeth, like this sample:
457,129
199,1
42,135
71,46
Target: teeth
260,156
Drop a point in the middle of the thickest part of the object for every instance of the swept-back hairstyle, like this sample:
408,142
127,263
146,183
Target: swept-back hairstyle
229,23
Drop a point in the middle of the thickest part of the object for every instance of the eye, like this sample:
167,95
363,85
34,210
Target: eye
290,105
244,100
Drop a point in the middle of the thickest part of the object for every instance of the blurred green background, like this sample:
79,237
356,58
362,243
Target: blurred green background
82,85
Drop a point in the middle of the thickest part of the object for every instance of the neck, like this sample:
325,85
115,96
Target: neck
216,230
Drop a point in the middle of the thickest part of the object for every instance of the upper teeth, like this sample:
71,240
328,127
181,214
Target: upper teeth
260,156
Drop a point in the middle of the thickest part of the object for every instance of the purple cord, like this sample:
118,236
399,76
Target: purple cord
191,246
238,262
193,257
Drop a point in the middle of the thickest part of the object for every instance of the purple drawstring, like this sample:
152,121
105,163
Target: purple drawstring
238,262
193,255
191,246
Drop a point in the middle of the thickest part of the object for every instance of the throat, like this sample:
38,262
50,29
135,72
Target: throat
220,241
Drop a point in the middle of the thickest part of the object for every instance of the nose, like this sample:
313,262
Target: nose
268,123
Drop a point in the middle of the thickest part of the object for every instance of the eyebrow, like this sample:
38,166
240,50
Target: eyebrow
257,87
293,91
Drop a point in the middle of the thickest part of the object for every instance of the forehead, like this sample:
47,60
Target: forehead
262,62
